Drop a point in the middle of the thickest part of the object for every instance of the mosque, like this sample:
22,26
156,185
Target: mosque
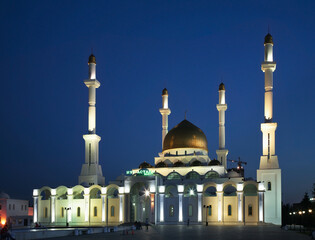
183,185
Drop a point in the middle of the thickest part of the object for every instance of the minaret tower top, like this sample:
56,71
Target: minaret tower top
165,111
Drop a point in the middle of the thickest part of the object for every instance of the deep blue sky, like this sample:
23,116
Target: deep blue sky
140,48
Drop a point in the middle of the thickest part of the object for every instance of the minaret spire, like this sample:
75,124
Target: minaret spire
222,107
91,172
165,111
269,172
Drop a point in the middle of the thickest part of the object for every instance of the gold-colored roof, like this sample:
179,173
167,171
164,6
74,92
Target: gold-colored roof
164,92
92,59
221,87
268,38
185,135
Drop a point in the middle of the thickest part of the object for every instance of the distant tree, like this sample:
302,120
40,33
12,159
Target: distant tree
306,203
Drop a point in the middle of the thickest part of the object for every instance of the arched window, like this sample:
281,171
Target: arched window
190,210
269,186
210,210
250,210
171,211
112,211
45,212
78,212
95,211
173,175
229,210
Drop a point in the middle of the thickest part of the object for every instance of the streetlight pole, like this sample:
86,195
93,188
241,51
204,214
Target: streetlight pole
206,207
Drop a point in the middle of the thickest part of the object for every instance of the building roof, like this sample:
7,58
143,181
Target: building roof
185,135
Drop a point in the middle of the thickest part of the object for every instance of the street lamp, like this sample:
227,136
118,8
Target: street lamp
67,209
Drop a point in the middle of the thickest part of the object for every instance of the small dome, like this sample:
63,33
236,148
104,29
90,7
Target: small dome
145,165
4,195
92,59
221,87
214,162
233,174
196,163
268,39
185,135
178,164
164,92
160,164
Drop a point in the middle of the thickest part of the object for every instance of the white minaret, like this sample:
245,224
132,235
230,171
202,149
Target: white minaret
165,111
222,152
269,172
91,172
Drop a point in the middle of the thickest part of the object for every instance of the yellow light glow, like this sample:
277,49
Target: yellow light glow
300,212
3,222
147,193
310,210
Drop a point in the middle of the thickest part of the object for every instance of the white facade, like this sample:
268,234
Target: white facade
183,185
14,212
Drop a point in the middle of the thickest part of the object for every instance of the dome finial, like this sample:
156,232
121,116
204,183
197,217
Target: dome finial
164,92
92,59
268,38
221,87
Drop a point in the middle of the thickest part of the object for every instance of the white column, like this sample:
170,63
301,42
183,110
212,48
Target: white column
103,207
121,207
220,201
180,207
53,208
35,213
161,207
240,206
260,206
86,204
199,207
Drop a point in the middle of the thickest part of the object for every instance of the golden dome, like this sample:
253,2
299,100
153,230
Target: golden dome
185,135
221,87
164,92
268,39
92,59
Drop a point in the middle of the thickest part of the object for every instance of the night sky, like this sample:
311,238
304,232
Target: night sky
189,47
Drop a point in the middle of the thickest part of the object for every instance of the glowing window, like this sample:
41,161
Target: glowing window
210,210
250,210
229,210
190,210
78,211
95,211
171,211
45,212
269,186
112,211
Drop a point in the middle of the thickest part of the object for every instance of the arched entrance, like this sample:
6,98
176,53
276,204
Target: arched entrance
139,202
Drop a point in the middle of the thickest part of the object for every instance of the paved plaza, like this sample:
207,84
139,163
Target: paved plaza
202,232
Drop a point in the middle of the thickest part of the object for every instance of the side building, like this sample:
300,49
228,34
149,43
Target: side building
182,185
